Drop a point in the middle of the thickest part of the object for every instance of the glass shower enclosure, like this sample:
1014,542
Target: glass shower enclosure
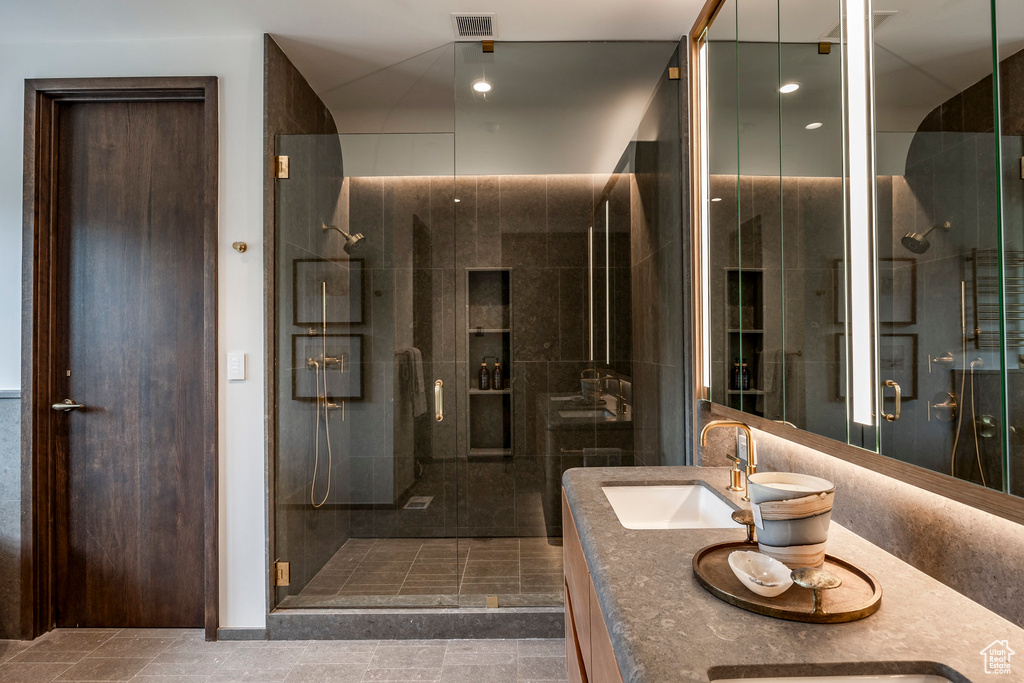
454,324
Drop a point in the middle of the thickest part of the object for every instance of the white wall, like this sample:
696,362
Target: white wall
238,62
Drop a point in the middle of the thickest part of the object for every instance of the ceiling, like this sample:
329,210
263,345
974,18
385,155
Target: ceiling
334,42
926,53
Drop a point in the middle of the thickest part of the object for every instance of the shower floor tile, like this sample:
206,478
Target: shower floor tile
407,571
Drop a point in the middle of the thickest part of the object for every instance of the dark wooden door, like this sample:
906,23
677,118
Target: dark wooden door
129,244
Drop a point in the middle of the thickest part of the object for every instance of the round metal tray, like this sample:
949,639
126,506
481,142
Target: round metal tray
859,596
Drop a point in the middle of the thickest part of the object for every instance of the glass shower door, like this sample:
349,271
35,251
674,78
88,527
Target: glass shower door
365,480
940,285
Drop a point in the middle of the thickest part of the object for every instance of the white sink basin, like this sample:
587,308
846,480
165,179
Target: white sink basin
689,506
895,678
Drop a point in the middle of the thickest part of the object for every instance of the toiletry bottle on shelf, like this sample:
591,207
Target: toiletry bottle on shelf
736,380
745,375
485,376
497,383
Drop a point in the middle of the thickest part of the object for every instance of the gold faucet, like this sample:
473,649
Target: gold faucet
735,474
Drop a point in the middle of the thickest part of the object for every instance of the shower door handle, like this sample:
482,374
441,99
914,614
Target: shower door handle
896,414
438,400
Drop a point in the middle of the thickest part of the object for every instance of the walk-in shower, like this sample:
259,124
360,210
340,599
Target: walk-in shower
438,304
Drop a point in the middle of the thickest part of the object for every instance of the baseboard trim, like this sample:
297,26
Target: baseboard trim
10,393
241,633
410,624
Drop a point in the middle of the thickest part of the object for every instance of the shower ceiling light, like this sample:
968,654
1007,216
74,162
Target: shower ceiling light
789,87
481,85
813,126
716,199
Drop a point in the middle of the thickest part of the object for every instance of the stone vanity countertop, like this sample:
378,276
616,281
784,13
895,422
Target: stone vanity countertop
550,405
666,628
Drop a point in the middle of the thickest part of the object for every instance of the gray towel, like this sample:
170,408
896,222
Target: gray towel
409,384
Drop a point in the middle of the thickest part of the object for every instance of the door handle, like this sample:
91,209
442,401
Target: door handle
67,405
438,400
895,415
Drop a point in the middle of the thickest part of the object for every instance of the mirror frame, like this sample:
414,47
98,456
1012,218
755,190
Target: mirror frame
985,499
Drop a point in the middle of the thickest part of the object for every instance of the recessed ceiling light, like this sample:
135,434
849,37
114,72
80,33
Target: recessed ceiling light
457,200
789,87
481,85
813,126
716,199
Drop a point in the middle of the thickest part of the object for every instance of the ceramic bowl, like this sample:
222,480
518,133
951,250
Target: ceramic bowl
765,486
760,573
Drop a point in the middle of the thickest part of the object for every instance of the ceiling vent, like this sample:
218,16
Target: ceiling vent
835,32
474,25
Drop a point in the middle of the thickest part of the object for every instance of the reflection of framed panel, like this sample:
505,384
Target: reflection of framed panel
897,360
897,291
344,280
344,366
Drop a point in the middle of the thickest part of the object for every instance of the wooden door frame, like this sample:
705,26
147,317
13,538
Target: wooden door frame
39,315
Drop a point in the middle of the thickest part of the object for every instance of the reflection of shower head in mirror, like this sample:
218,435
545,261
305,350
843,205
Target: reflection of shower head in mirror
917,242
352,242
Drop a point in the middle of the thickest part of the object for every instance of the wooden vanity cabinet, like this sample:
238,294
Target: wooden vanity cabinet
589,656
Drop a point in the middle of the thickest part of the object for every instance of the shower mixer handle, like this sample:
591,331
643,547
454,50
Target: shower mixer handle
438,400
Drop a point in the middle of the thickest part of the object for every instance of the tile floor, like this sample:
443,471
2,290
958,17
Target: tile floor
412,571
182,656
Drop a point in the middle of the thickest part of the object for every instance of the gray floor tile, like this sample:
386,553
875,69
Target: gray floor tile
543,668
328,655
265,659
326,673
185,664
71,641
104,669
473,658
142,678
53,656
484,645
133,647
479,673
402,675
157,632
31,672
248,676
542,647
407,657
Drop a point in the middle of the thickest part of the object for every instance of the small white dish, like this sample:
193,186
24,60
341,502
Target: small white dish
762,574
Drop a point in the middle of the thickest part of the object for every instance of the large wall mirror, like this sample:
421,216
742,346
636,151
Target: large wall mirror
939,283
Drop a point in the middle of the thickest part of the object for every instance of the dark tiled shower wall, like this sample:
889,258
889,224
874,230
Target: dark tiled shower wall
657,203
537,227
10,517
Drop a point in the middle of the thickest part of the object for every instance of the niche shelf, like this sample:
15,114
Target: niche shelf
489,335
744,335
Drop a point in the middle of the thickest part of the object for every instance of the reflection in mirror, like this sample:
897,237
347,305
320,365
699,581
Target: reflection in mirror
776,212
949,226
938,241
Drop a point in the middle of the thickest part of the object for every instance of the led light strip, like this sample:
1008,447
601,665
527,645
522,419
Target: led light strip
705,222
862,370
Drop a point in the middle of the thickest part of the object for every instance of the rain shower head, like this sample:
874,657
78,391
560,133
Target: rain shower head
917,242
352,242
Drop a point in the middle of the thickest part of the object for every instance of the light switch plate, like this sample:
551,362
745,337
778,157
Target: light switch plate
236,366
